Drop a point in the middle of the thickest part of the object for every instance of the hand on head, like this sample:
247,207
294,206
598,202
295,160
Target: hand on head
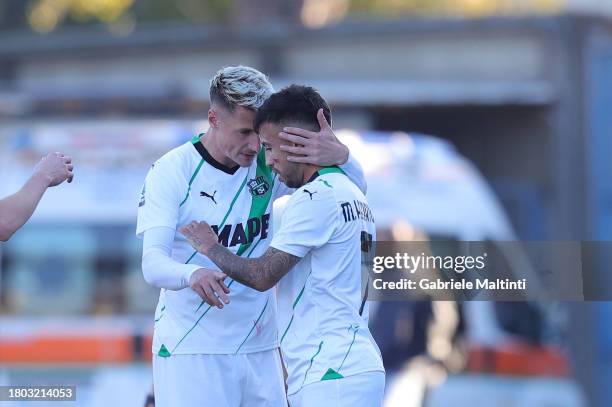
320,148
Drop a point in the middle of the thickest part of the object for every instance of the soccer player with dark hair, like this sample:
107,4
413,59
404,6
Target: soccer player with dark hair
204,355
329,354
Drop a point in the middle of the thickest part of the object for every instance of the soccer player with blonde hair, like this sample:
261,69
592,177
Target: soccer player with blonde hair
315,258
204,355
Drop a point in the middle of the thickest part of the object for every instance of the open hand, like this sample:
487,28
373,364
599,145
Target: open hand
319,148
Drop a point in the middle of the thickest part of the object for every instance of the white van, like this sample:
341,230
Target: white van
421,189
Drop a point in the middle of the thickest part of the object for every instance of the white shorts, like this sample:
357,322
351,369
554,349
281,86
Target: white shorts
242,380
360,390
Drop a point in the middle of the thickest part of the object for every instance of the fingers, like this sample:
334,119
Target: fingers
198,289
293,138
223,286
301,150
211,298
187,229
300,159
292,134
322,120
219,291
209,285
69,174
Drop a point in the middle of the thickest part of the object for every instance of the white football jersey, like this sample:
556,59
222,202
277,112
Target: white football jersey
188,184
323,315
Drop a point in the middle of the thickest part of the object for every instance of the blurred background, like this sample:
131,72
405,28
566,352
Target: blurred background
485,120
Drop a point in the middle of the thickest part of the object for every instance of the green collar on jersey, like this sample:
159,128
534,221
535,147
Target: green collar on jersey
326,170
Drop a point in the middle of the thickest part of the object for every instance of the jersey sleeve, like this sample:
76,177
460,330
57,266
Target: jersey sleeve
158,267
355,173
309,221
160,198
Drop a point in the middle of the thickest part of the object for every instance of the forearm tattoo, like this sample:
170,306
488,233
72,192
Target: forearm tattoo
261,273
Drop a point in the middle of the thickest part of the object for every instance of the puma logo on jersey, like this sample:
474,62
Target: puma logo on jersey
309,193
212,197
233,235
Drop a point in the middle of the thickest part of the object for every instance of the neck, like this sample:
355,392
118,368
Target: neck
211,142
309,171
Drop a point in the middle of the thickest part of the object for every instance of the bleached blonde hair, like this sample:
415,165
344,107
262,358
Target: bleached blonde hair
240,86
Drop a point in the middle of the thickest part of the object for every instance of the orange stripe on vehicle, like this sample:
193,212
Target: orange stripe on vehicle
68,349
518,360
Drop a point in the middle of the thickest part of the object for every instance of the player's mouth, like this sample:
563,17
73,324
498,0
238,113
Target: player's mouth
280,176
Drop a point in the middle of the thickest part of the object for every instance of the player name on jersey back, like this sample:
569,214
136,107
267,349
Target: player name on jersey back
322,310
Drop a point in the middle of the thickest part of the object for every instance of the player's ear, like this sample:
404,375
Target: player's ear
213,120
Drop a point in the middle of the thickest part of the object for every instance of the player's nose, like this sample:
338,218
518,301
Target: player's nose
254,143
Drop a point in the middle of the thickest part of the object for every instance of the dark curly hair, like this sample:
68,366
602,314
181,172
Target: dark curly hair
295,104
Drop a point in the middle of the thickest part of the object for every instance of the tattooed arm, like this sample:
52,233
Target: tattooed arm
261,273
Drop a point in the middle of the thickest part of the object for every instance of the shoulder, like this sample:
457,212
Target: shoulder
327,193
332,185
341,185
177,154
315,194
179,160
